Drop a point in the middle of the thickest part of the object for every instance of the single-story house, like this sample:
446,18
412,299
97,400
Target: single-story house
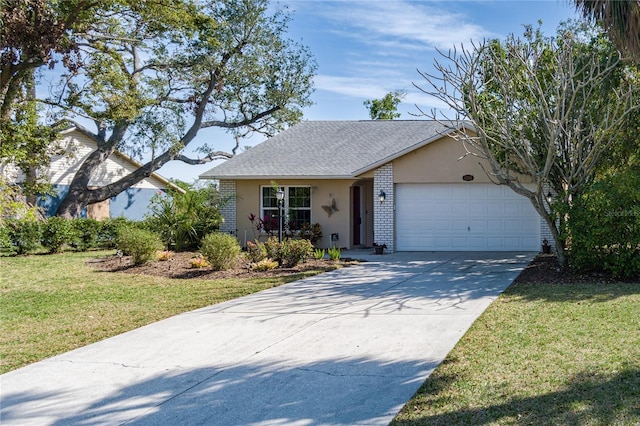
75,146
405,184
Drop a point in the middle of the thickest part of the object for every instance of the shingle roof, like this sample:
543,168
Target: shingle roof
329,149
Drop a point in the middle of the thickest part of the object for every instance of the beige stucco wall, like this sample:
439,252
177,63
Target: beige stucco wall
441,161
322,192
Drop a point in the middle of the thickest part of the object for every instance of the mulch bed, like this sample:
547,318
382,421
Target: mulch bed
179,266
545,270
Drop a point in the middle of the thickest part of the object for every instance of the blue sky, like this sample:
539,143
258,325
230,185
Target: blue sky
367,48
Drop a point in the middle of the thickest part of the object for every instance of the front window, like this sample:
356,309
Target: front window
297,207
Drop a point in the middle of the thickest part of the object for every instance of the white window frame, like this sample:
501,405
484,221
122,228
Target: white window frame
286,208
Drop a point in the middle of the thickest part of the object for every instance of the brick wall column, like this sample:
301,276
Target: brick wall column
227,190
383,213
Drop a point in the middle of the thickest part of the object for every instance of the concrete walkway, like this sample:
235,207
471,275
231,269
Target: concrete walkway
348,347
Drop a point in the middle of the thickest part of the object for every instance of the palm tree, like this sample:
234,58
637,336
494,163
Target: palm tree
621,20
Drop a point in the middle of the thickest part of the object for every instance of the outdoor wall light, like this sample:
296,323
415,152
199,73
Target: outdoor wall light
549,197
381,196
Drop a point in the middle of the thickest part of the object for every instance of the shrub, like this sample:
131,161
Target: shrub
24,235
297,251
110,229
141,244
183,219
56,232
256,251
87,233
288,253
318,254
220,250
334,253
604,226
264,265
5,239
311,232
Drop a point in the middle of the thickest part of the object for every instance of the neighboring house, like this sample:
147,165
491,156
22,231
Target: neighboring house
405,184
77,144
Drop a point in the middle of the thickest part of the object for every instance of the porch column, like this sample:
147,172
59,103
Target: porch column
383,212
227,190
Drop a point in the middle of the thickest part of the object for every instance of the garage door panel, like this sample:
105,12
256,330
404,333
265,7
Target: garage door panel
464,217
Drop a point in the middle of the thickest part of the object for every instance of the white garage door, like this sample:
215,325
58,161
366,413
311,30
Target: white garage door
457,217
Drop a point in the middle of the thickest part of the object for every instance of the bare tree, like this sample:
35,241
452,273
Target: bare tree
543,111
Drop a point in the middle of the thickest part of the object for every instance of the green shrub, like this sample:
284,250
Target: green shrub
141,244
288,253
5,240
87,233
24,235
256,251
297,251
110,229
56,232
183,219
334,253
220,250
604,226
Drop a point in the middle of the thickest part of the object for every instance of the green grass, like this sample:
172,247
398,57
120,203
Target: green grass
50,304
541,354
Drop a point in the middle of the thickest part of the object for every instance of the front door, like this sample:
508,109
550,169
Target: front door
357,216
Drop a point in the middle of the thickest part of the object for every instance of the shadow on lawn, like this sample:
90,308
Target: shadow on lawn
587,399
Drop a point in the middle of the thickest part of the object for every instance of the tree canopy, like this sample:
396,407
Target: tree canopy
620,19
150,75
543,111
385,108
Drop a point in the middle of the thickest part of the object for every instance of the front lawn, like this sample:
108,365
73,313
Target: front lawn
50,304
556,354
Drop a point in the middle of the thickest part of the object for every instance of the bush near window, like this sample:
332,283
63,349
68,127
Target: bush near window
141,244
56,232
311,232
604,226
288,253
220,250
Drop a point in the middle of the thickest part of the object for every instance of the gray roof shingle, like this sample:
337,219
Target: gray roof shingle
329,149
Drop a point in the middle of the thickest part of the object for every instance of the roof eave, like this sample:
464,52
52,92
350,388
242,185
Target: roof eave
277,177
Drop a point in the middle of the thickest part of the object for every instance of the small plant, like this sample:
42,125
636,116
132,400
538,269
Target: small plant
334,253
141,244
56,232
199,262
264,265
220,250
379,248
165,255
256,251
318,254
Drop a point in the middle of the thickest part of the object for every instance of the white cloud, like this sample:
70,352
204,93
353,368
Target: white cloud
405,25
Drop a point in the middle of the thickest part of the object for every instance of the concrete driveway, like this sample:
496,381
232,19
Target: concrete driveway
348,347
